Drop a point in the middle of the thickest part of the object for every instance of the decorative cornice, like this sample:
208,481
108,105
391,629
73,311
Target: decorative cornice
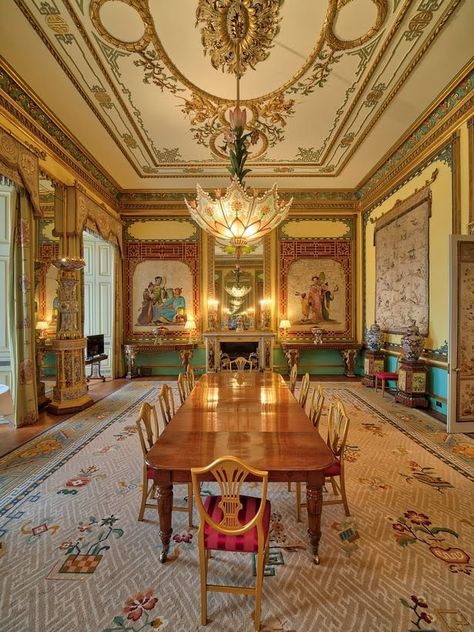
34,116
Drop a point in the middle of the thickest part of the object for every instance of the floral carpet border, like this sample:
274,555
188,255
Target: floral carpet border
439,451
21,491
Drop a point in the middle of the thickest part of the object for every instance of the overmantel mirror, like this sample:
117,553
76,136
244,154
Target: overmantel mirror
239,292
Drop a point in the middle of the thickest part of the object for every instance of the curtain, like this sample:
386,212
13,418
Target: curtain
118,367
21,309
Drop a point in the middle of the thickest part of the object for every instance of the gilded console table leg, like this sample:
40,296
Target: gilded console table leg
164,497
349,357
314,501
292,355
130,355
186,356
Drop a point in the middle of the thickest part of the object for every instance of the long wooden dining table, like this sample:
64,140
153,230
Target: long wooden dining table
252,416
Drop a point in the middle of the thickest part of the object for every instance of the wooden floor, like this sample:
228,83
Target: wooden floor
11,438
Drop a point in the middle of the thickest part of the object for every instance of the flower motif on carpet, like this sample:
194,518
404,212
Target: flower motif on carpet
422,617
415,527
43,447
277,529
274,624
128,431
85,476
33,534
86,552
426,475
351,453
375,483
137,614
375,429
184,537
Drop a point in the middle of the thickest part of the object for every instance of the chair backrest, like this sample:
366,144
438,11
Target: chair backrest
241,363
147,425
304,390
183,387
338,426
293,377
225,362
190,376
230,473
316,406
166,403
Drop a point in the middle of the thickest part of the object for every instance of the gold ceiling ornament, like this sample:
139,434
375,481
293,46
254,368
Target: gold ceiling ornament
253,23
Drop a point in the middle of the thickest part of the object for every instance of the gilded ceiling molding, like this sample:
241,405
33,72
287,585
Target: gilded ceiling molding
337,44
415,28
20,164
424,139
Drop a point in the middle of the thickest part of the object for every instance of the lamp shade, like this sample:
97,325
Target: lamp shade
41,325
190,324
285,323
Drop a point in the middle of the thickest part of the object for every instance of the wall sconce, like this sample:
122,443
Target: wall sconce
265,307
284,326
41,326
212,308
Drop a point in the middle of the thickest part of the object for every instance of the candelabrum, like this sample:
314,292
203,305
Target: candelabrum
212,310
266,313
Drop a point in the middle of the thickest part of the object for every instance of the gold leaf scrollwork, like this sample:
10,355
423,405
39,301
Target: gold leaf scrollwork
224,23
338,44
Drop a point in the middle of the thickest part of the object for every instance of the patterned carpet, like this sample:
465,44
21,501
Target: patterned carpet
74,558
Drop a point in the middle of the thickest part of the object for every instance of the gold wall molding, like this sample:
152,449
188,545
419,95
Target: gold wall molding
470,131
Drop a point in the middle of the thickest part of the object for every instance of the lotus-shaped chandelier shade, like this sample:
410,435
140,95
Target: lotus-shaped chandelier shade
235,216
238,291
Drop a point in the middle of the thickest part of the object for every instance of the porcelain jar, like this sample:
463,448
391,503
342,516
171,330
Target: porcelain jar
374,337
412,343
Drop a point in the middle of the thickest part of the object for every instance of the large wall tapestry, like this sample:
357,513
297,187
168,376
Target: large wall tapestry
465,400
401,242
317,287
162,287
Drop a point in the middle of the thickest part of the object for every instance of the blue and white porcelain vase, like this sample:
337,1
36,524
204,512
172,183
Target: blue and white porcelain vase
412,343
374,337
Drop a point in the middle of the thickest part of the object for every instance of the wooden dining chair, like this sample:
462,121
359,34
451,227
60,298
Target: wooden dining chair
166,401
338,427
316,406
183,387
191,378
148,432
304,390
293,378
232,522
241,363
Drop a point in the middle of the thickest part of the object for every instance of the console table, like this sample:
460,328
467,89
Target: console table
348,351
132,350
94,363
263,340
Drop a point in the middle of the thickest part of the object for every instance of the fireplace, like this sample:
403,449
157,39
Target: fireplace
239,343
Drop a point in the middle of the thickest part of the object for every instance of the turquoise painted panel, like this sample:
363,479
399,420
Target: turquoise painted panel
317,362
438,389
168,363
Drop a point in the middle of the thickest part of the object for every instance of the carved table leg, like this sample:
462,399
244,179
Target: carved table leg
292,355
164,497
349,357
314,501
185,355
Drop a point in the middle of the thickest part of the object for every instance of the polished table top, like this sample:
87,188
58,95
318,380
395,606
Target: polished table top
247,414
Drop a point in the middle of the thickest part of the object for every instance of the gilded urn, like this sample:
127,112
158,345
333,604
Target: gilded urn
412,343
374,337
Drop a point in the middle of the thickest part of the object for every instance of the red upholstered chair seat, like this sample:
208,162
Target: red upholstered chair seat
149,473
247,542
334,469
386,375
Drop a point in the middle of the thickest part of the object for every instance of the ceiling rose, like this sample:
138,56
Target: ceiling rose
225,22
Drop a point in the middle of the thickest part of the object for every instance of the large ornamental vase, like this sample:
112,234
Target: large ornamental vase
374,337
412,343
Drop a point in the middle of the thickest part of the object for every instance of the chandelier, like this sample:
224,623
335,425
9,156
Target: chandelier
236,215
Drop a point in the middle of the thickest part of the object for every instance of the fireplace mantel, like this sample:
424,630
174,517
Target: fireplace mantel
263,338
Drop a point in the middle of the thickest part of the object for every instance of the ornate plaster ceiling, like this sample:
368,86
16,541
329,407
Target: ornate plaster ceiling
145,86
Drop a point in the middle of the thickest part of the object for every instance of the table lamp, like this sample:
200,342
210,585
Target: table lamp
284,326
41,327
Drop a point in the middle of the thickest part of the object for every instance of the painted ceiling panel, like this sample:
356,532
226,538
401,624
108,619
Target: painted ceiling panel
145,86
